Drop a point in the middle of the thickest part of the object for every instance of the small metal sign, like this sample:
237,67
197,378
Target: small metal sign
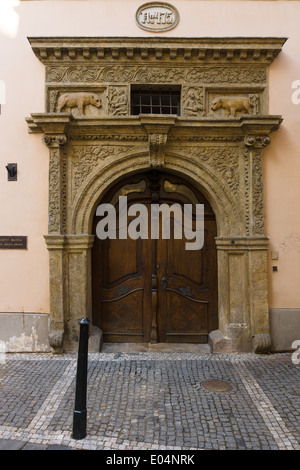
157,16
13,242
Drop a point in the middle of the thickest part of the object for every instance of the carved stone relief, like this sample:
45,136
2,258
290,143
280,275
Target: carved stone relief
208,74
86,158
196,100
118,101
223,160
78,100
192,101
217,142
89,101
231,105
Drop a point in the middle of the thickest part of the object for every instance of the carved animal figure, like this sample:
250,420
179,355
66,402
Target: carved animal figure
79,100
231,105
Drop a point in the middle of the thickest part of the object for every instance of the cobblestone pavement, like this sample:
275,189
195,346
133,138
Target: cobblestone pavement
152,401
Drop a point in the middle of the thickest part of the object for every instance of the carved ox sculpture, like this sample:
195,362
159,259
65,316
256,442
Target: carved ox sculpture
232,104
79,100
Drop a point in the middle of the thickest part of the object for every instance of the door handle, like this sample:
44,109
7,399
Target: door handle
163,282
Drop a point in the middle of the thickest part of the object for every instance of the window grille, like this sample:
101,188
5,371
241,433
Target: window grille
155,101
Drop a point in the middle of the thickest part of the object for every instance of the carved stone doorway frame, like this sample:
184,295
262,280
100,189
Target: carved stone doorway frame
217,143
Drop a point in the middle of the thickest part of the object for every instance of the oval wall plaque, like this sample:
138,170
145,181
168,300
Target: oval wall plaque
157,16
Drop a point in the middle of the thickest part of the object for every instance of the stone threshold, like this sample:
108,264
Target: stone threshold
157,347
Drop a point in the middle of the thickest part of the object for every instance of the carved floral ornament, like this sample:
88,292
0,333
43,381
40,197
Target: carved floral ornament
219,78
223,83
222,128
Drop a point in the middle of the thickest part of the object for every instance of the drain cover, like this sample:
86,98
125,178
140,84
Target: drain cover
217,385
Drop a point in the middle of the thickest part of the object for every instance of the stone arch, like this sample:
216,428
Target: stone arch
220,198
222,201
96,186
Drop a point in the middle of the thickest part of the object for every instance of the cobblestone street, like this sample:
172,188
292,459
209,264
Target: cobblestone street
148,401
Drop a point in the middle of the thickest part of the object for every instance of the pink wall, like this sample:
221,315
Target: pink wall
24,204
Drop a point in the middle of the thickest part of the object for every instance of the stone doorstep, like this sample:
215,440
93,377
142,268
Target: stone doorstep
155,347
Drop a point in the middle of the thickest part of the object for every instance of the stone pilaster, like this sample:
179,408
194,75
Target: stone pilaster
70,287
78,253
243,292
58,290
57,182
253,183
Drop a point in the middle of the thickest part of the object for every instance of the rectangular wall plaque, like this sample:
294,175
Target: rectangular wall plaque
13,242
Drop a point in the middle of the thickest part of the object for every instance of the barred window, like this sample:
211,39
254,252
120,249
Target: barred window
154,100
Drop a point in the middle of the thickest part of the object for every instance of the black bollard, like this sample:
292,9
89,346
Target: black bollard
79,419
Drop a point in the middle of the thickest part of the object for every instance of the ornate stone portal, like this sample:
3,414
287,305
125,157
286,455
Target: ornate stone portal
217,143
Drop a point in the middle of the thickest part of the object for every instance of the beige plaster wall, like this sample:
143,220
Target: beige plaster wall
23,210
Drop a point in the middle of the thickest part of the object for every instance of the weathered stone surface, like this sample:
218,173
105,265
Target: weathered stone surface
95,339
56,340
262,343
219,343
220,151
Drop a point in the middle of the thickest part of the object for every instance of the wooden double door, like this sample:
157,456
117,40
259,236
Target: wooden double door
154,289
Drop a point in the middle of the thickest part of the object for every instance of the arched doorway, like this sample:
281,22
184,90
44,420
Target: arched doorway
155,290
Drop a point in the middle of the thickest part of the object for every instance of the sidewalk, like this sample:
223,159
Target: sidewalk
152,401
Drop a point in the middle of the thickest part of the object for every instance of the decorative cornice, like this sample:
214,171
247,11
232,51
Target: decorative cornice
253,128
49,123
158,49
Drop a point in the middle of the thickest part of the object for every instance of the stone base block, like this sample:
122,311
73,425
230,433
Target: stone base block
56,339
95,339
219,343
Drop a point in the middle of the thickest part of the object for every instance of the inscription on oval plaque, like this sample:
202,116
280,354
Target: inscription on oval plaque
157,16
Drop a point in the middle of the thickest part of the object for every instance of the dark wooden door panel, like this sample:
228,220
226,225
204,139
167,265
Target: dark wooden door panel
121,297
184,296
155,290
123,260
122,317
186,319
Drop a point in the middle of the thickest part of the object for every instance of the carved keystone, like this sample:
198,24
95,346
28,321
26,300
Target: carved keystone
157,128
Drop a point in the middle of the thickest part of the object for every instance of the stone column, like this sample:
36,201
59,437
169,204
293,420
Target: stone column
243,294
55,239
254,227
70,287
78,273
242,266
253,184
58,289
57,183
